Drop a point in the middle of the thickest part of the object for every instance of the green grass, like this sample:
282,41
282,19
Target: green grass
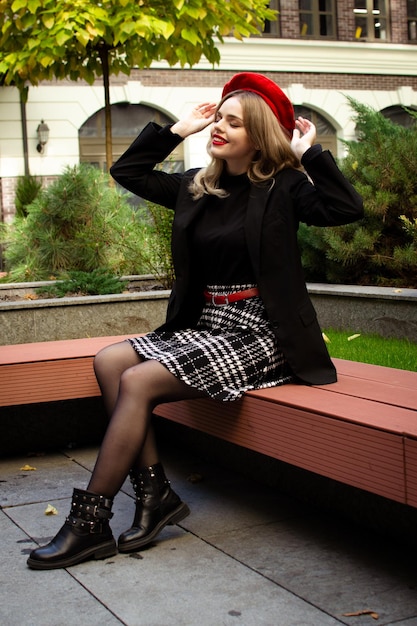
399,353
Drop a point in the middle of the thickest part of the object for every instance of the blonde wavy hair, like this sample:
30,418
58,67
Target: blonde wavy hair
265,131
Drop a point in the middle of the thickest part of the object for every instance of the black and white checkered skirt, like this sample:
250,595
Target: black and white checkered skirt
232,350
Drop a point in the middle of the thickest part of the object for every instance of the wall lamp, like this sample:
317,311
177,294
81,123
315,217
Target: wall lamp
43,136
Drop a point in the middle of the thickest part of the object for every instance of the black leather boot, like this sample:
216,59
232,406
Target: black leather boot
86,534
157,505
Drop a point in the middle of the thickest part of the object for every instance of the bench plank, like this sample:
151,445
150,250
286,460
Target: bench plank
366,371
361,431
49,371
332,400
47,381
55,350
411,470
353,454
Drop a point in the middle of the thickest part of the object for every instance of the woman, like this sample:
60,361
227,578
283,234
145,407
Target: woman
239,315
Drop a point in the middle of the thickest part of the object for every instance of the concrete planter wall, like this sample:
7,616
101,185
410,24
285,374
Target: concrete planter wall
384,311
380,310
26,321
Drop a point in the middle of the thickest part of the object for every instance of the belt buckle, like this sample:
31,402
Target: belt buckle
213,300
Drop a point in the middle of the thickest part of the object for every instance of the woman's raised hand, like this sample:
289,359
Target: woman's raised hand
198,118
303,137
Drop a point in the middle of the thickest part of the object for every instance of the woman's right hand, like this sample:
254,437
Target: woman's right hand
199,118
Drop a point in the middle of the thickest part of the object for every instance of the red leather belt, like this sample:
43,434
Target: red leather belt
230,297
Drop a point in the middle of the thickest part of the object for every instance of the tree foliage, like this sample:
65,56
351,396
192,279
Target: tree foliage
85,39
381,249
46,39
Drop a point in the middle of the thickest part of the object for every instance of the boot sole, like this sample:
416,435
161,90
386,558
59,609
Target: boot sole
102,551
169,520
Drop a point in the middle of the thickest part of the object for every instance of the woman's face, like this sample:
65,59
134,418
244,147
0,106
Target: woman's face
229,139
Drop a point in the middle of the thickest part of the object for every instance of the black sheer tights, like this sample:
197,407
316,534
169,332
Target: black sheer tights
131,388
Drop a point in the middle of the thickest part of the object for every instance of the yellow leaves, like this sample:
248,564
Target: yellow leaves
373,614
51,510
33,5
350,338
58,39
62,37
92,30
167,29
19,4
28,468
190,35
83,37
355,166
48,20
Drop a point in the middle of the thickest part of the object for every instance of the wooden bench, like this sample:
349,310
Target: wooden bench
361,431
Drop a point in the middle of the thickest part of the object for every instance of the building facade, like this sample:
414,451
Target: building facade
318,51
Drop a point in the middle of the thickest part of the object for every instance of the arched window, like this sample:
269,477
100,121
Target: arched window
127,122
326,134
399,115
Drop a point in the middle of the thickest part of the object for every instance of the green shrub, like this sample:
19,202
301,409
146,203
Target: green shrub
380,249
160,257
98,282
79,223
27,189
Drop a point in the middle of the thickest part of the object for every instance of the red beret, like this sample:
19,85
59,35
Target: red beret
269,92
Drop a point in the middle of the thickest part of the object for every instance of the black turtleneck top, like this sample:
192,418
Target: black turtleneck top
219,251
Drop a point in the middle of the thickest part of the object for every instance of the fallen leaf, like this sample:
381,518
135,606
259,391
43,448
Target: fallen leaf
398,290
30,296
373,614
51,510
28,468
353,337
325,337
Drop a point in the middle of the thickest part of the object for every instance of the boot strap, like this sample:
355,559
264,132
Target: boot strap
98,507
95,511
93,526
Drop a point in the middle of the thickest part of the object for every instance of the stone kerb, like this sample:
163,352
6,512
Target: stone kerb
385,311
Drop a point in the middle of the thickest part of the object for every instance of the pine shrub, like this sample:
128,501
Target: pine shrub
27,189
78,223
381,249
98,282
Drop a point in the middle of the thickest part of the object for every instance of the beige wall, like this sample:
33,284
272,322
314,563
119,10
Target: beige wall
316,74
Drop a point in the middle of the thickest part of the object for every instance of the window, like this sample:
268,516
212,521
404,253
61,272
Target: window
399,115
317,18
412,20
326,134
272,29
371,19
127,122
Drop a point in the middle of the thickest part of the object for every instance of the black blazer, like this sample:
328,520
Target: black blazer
272,219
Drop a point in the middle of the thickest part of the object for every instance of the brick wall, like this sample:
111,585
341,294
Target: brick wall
208,78
398,19
7,193
289,19
345,20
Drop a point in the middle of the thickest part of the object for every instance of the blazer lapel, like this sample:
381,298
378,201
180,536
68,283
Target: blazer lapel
183,219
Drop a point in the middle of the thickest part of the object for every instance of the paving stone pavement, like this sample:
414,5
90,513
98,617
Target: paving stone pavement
246,556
